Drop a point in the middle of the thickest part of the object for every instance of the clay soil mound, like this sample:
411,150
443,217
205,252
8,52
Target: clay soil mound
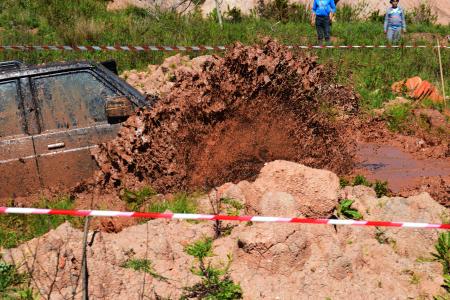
269,261
222,123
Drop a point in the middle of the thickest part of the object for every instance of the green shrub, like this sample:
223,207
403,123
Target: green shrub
234,14
344,210
216,283
361,180
200,249
381,188
428,103
442,254
422,14
8,276
343,182
13,283
446,284
283,11
300,13
277,10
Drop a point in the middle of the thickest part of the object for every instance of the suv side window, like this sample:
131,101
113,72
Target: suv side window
10,112
71,99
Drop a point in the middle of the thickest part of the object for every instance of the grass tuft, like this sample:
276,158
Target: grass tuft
16,229
181,203
200,249
13,284
143,265
135,199
361,180
398,117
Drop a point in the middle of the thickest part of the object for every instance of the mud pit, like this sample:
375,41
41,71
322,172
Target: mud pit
222,123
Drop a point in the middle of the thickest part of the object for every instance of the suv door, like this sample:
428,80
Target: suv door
18,169
72,120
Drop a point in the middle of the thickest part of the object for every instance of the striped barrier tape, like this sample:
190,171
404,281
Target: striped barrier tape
175,216
146,48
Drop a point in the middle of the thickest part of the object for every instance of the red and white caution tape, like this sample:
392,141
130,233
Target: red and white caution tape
146,48
175,216
112,48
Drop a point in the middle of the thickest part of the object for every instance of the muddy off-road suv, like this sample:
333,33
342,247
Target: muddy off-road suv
51,116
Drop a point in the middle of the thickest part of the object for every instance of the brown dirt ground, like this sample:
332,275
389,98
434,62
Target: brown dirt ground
269,261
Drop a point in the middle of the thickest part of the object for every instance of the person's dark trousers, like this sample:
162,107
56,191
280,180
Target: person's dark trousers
323,25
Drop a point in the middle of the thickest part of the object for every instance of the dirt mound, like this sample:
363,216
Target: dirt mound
269,261
222,123
158,80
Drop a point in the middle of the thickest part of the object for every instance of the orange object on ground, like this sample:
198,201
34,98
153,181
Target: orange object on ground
418,89
412,83
435,96
422,91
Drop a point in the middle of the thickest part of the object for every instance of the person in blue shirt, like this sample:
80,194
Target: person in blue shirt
394,22
323,12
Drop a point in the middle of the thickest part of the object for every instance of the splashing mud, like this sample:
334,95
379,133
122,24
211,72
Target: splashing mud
221,124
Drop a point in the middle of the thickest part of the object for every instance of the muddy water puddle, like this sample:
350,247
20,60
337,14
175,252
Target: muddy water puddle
400,169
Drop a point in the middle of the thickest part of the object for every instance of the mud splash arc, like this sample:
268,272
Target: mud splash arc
222,123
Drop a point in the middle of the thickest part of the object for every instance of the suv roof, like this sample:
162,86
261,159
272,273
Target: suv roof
12,69
15,69
10,65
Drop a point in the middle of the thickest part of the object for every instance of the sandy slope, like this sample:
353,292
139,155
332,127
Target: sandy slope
441,7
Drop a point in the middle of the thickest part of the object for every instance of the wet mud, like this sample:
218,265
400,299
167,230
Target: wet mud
405,173
222,123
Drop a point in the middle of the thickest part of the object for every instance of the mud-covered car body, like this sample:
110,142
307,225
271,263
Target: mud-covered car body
50,117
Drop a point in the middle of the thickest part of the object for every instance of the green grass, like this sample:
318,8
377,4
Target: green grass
343,182
361,180
13,284
16,229
135,199
232,206
87,22
181,203
442,254
381,187
397,117
144,199
200,249
143,265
